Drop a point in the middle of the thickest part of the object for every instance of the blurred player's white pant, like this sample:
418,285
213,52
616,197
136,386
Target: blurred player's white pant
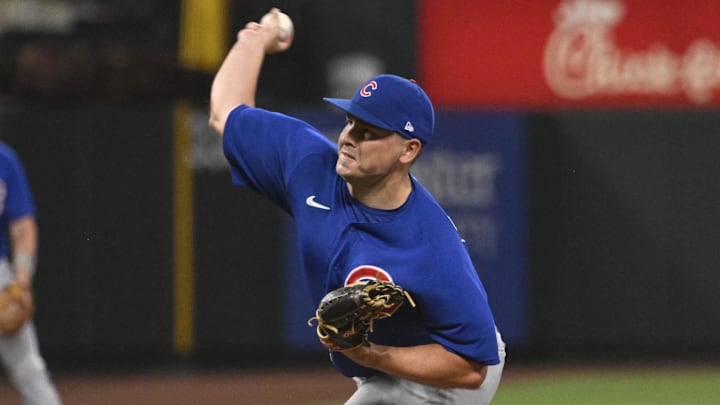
21,358
388,390
26,369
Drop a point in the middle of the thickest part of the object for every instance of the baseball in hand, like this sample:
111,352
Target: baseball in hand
285,25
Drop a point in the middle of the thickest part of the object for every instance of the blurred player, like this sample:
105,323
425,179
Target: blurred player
360,214
19,352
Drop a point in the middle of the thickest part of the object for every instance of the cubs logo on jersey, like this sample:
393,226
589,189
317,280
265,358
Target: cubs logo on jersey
369,272
365,273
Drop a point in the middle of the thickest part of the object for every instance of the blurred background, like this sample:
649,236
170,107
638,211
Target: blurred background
577,152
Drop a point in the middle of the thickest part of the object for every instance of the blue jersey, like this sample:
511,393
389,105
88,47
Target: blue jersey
343,241
15,197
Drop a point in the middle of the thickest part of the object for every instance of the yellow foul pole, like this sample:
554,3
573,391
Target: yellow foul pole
202,46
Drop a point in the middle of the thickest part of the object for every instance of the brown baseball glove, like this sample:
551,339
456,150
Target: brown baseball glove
16,307
346,315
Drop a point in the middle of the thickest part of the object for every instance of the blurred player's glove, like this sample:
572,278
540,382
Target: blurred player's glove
16,307
345,316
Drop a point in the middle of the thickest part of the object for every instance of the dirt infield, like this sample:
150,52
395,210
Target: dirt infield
301,386
282,387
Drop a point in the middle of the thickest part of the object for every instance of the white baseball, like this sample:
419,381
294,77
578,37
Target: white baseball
284,23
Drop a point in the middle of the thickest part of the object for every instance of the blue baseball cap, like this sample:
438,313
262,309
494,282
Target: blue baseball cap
393,103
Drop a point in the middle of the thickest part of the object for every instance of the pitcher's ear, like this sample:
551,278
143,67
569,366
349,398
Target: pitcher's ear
413,147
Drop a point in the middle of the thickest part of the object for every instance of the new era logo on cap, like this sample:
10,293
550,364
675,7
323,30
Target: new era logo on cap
393,103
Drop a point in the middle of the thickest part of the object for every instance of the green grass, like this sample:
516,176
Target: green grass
607,386
625,387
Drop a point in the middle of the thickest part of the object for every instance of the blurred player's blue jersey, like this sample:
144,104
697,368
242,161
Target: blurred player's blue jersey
15,197
342,241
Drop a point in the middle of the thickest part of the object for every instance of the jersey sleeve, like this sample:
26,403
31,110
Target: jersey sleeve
18,201
457,314
454,306
264,147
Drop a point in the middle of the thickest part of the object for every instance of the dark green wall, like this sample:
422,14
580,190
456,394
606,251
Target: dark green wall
624,230
100,176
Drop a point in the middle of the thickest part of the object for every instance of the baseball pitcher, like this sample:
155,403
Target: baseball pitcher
400,305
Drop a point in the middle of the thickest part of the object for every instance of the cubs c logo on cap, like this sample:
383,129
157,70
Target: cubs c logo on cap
365,90
365,273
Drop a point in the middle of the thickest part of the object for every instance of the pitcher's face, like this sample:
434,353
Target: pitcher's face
366,151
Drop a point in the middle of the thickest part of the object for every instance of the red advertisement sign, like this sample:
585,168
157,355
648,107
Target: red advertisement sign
570,53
